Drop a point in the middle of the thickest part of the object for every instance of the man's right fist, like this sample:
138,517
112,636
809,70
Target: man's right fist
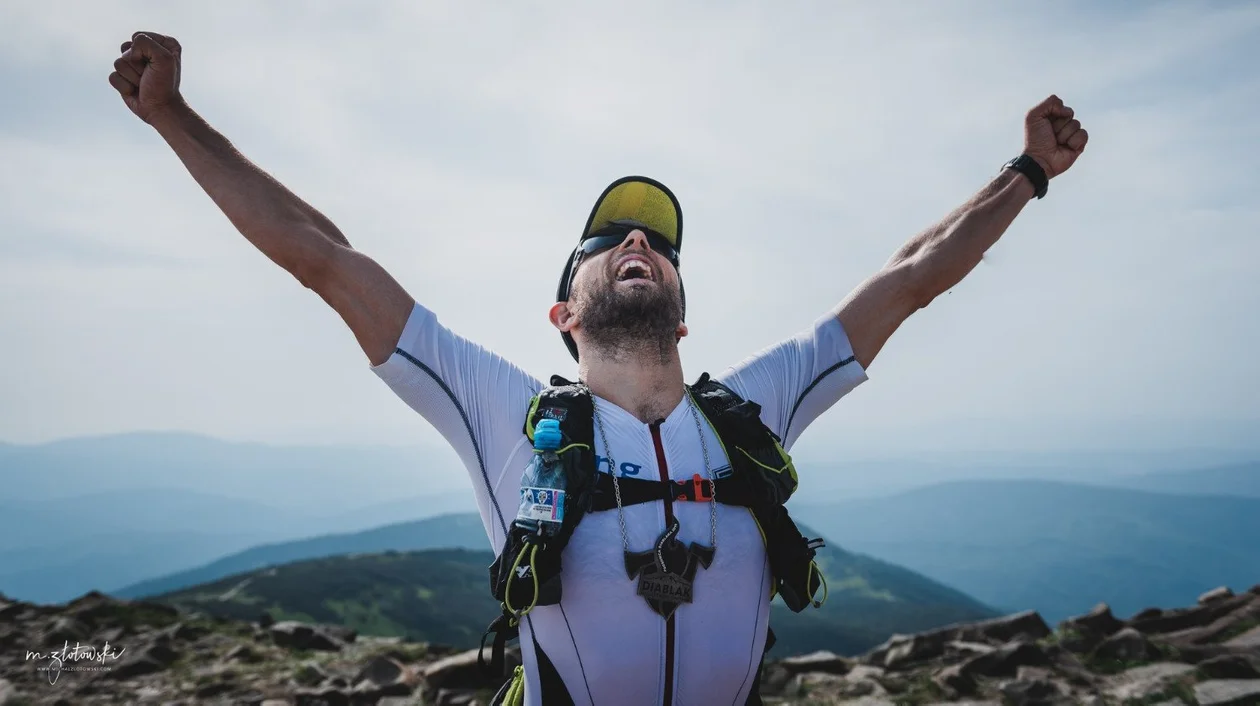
147,74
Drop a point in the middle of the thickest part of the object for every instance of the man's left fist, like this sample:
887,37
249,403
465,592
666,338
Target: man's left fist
1053,137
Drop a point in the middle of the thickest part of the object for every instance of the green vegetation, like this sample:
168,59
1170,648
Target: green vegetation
440,596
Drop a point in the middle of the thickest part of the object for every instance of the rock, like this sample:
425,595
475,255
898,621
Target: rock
1004,661
913,649
381,671
62,630
309,674
775,678
149,659
274,702
8,693
1146,682
300,636
1251,638
1126,646
902,651
821,661
1230,667
1216,594
339,682
1082,633
833,686
1185,618
322,697
954,681
243,654
1147,614
184,631
1028,693
345,634
1227,692
265,620
455,697
214,688
460,671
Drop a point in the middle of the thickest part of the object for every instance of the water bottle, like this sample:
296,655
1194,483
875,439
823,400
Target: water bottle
542,486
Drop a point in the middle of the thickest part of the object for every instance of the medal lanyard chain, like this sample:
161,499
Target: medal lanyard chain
708,470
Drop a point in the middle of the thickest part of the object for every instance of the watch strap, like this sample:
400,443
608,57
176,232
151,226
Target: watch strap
1028,167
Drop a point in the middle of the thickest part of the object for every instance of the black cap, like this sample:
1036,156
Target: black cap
645,201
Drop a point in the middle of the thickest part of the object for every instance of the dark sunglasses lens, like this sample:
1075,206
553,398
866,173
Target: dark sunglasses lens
656,241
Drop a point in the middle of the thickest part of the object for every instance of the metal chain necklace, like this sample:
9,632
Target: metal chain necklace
666,581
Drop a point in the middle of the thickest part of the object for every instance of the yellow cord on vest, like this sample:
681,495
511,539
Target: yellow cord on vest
813,569
507,601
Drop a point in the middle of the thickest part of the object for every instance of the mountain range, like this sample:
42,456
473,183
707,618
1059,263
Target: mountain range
1056,547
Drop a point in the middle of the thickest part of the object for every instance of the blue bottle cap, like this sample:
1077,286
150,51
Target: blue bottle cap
547,435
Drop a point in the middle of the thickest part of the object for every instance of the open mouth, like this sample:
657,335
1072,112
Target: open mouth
634,269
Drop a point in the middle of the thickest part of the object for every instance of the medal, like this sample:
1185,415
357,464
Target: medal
666,573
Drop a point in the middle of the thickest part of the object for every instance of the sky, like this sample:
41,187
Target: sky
461,145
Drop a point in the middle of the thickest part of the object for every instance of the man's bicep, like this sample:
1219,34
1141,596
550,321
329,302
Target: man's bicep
876,309
367,298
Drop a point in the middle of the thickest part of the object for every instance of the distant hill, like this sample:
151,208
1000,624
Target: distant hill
1055,547
375,588
463,531
1240,480
308,479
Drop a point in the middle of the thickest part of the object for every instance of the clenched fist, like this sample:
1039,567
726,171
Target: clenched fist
1053,137
147,74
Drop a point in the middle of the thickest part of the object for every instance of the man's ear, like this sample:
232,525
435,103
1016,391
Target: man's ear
561,316
681,331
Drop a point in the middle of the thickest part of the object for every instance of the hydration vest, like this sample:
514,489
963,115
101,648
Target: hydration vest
762,478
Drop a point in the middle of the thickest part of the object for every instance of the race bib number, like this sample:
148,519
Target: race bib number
545,504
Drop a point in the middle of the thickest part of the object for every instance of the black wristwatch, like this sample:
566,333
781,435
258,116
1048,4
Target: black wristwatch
1028,167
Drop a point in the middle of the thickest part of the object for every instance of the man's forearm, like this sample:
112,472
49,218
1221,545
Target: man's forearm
285,228
946,252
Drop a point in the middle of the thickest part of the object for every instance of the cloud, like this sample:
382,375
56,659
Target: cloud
462,148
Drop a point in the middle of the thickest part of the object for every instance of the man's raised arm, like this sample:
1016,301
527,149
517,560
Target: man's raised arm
939,257
285,228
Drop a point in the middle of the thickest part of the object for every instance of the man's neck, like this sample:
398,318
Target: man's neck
649,385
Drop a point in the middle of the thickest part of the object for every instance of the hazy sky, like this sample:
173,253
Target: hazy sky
462,145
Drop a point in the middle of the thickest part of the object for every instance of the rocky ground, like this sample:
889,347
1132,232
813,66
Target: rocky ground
1208,654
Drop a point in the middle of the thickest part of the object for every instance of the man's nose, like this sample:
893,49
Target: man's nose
636,239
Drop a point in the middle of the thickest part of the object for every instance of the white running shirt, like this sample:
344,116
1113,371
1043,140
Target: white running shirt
607,645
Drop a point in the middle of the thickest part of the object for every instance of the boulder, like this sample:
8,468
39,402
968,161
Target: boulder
330,696
1185,618
265,620
309,674
1230,667
244,654
821,661
1126,646
1142,684
904,651
1033,692
955,681
1004,661
149,659
1099,622
8,693
1251,638
1216,594
1228,692
461,671
381,671
300,636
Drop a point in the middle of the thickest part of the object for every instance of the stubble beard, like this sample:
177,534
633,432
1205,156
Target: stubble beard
622,322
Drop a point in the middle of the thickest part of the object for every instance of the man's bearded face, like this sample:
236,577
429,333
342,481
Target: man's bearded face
626,297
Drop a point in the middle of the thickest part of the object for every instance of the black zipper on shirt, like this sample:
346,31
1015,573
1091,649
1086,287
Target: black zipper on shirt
669,520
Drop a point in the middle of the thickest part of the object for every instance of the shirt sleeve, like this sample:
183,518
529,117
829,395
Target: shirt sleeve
474,397
798,379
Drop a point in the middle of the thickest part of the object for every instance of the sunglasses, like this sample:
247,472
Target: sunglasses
614,235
